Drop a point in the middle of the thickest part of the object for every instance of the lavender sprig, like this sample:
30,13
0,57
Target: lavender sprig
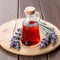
15,39
50,35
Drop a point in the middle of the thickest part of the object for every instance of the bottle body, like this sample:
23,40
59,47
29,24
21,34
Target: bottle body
30,33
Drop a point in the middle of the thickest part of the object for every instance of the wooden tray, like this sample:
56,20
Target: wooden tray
6,30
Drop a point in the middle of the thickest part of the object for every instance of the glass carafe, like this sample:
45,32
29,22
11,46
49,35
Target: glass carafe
30,28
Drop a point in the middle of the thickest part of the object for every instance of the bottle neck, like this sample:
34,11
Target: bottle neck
35,16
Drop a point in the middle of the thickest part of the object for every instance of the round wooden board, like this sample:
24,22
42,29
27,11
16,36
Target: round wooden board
6,30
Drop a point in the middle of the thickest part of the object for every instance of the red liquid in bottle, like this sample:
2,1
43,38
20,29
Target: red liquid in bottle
30,33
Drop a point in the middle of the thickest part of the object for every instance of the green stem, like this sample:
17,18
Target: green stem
44,25
45,30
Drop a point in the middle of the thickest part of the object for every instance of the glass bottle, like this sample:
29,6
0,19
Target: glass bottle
30,27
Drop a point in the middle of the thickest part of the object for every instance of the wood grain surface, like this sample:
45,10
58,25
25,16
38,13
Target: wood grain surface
51,12
8,11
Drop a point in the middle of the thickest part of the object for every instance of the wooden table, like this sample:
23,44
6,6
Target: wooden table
13,9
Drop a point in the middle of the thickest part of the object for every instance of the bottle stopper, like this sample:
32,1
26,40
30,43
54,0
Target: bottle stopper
29,10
